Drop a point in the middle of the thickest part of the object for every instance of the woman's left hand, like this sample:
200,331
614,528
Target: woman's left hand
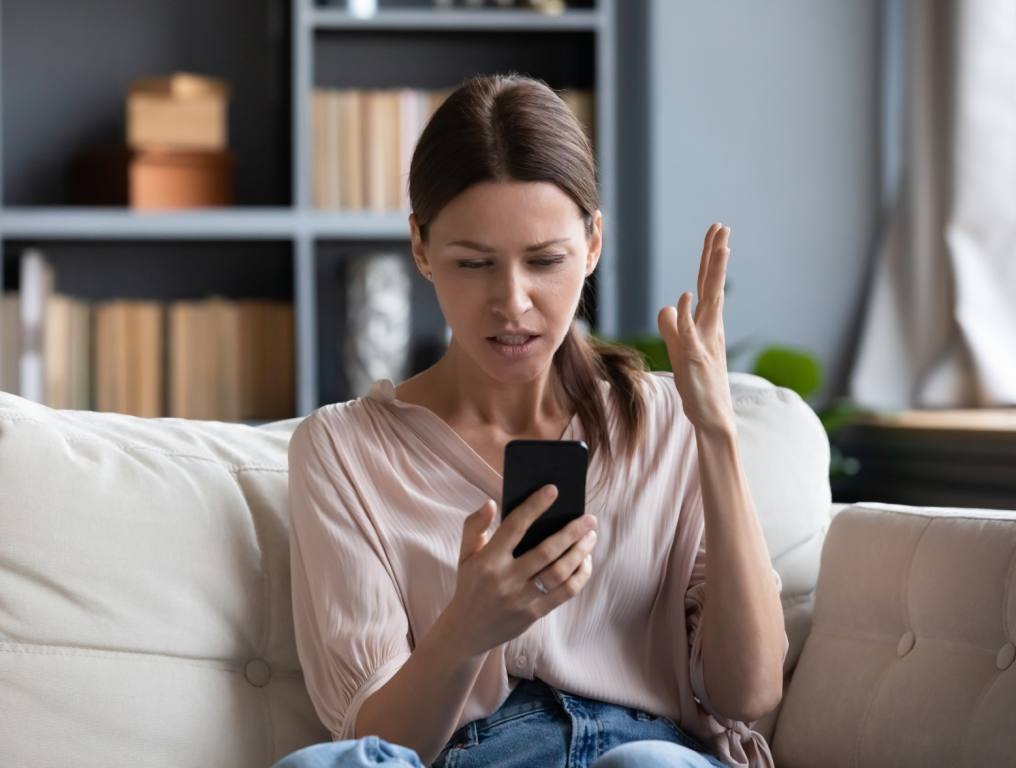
696,346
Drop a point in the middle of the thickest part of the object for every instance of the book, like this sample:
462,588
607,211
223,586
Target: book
362,145
321,161
186,382
411,115
350,167
373,116
10,343
128,345
266,359
231,359
222,357
80,355
56,352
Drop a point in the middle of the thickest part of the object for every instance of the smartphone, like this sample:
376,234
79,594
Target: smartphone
531,464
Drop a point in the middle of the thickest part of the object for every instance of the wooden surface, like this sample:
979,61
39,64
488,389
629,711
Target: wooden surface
965,420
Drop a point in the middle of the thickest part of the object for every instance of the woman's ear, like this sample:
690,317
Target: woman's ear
418,247
595,243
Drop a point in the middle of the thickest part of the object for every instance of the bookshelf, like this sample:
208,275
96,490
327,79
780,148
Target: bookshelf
274,54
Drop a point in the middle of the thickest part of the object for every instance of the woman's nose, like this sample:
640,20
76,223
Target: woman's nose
513,296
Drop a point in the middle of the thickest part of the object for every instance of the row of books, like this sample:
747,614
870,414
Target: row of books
213,358
363,140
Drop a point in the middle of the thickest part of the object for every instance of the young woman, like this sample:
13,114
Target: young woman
422,639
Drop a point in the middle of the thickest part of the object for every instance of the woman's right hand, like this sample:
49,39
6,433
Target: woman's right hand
496,598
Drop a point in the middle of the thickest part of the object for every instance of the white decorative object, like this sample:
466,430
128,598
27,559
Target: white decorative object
377,341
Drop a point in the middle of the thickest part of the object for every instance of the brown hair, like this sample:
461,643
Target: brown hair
510,127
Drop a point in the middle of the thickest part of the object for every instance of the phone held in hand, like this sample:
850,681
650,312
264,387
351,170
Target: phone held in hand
531,464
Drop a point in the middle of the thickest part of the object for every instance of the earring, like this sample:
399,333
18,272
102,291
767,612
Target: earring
430,276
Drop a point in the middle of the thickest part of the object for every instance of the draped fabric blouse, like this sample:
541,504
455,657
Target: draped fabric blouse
378,491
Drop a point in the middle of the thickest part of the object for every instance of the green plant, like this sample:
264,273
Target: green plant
802,372
790,368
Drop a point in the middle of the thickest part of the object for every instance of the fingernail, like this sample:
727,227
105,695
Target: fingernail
551,490
591,536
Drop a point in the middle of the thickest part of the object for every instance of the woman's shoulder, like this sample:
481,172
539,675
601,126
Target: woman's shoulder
332,425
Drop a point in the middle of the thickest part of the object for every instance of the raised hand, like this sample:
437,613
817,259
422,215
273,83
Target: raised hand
695,343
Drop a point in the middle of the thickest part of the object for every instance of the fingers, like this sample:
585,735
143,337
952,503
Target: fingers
666,321
711,298
677,326
474,530
562,568
553,547
707,249
685,322
567,589
514,526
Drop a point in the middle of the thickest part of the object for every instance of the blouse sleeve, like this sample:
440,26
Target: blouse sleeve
693,603
352,631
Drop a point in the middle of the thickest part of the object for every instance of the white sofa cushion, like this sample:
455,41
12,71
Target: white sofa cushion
785,453
145,614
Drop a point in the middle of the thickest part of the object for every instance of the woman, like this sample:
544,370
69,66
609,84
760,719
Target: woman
422,640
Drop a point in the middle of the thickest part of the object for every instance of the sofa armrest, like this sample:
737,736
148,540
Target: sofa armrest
909,659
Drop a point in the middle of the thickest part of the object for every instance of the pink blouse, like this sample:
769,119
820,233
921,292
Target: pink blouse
378,490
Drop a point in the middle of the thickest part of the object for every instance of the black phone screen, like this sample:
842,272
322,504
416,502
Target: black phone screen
531,464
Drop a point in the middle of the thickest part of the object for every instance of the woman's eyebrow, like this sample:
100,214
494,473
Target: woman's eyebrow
487,249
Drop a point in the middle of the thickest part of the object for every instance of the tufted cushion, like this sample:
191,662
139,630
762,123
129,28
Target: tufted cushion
910,661
145,614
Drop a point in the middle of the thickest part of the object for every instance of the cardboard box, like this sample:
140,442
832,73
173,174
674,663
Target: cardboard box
167,179
180,111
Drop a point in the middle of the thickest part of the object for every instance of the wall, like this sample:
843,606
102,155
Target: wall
765,117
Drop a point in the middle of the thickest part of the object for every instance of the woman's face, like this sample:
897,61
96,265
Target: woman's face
509,257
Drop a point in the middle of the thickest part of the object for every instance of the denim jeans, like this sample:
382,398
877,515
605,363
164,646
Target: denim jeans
538,726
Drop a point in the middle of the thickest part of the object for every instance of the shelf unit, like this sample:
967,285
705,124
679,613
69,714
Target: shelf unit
305,45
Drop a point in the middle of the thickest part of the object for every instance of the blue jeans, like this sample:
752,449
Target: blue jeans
538,726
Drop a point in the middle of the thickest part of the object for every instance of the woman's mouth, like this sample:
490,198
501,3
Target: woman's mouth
513,347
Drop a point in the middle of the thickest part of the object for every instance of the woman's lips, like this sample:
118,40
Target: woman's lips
513,351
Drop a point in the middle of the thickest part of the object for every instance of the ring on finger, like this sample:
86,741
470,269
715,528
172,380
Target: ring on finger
539,584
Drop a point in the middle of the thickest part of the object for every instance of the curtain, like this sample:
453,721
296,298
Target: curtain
940,325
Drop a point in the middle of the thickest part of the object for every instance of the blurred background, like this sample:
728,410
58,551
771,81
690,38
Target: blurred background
203,203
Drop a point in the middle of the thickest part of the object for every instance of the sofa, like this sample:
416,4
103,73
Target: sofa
145,614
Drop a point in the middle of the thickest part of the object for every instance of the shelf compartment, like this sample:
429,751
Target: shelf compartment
162,274
53,112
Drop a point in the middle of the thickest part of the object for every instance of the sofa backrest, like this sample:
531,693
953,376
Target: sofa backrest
145,612
911,659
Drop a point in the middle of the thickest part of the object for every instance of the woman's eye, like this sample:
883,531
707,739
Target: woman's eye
547,262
